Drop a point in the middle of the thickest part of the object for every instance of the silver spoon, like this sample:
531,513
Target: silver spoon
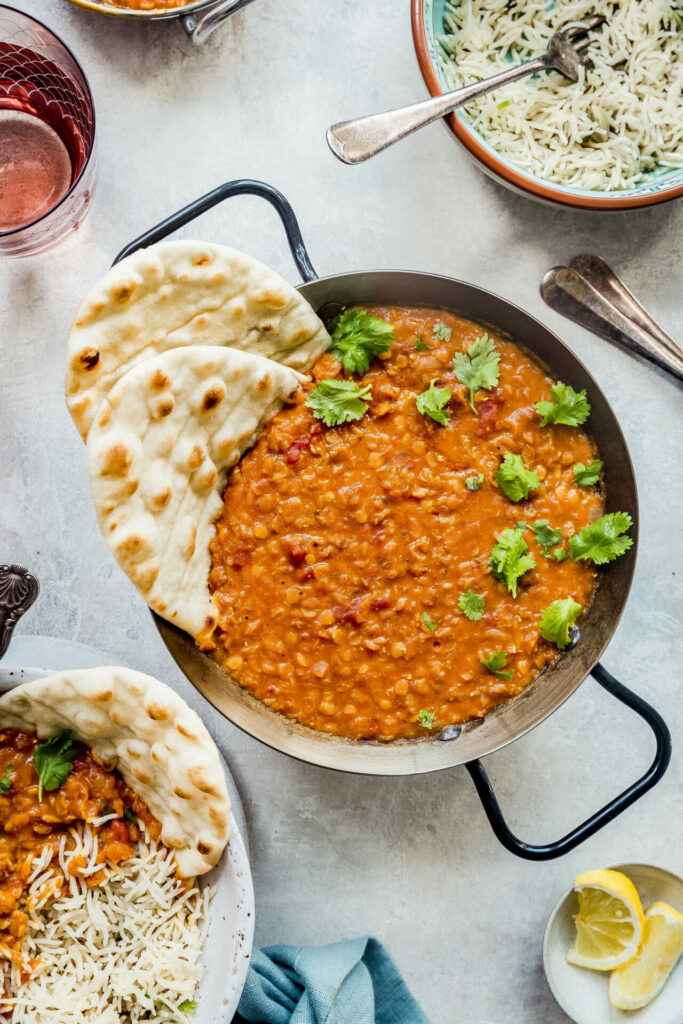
358,140
590,293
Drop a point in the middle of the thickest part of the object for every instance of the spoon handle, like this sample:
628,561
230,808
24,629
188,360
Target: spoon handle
569,293
594,270
358,140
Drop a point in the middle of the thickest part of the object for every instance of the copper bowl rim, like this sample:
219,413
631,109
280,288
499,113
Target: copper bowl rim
500,171
103,7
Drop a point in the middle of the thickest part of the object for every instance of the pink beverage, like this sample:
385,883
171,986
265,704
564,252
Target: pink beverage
47,131
35,168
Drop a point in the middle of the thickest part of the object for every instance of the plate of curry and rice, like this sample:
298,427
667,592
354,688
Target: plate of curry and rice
124,886
382,538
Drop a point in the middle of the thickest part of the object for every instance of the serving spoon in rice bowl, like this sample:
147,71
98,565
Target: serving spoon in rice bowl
358,140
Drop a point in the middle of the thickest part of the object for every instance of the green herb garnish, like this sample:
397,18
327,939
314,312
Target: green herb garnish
428,621
587,476
187,1006
5,781
545,535
106,811
420,345
471,605
567,407
432,402
504,104
130,815
510,559
601,541
514,479
496,662
442,331
557,620
479,367
53,760
559,554
357,337
338,401
426,718
473,483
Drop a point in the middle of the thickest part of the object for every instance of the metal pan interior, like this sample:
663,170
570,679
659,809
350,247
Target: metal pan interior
550,689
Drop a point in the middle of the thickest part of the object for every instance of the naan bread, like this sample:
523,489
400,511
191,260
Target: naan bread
183,293
133,722
157,456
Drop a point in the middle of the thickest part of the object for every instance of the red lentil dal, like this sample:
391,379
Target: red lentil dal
334,543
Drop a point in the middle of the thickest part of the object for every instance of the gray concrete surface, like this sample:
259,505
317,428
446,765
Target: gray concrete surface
411,861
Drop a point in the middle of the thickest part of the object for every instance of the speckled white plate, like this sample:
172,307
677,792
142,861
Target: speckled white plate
583,994
227,949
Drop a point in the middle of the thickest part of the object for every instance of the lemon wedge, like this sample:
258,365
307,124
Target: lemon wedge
609,925
638,983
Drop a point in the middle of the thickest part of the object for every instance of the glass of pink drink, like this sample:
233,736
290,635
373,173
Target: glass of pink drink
47,135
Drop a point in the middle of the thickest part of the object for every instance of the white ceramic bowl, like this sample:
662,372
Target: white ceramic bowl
229,941
583,994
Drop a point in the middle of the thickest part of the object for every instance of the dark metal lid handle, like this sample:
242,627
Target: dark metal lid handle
240,187
607,813
18,590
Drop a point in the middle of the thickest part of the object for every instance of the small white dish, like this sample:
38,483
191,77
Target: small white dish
584,994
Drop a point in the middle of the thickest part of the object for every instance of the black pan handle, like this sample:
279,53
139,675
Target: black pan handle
241,187
602,817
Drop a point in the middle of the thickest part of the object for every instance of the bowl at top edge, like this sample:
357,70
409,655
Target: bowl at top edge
427,23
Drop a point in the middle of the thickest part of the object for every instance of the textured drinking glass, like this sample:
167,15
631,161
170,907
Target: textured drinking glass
47,136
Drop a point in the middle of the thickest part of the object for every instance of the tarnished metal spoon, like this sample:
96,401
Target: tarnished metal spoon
358,140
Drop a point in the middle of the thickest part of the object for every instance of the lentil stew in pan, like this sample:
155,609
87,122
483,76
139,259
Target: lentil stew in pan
402,549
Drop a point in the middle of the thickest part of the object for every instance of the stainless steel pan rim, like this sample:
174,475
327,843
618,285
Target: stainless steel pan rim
104,7
198,28
547,692
516,717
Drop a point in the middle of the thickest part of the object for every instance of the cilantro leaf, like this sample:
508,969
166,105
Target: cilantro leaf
130,814
420,345
601,541
442,331
5,781
557,620
587,476
567,407
496,662
514,479
338,401
471,605
187,1006
431,403
479,367
429,622
545,535
559,554
510,559
357,337
106,811
473,483
426,718
53,760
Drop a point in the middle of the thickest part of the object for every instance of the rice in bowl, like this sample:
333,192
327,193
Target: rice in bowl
125,950
615,129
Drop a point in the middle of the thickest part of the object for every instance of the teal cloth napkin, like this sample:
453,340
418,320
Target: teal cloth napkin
353,982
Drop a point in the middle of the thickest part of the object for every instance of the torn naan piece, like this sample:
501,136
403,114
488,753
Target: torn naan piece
158,453
183,293
140,726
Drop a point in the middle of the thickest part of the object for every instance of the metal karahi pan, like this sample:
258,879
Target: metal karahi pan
453,745
199,18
